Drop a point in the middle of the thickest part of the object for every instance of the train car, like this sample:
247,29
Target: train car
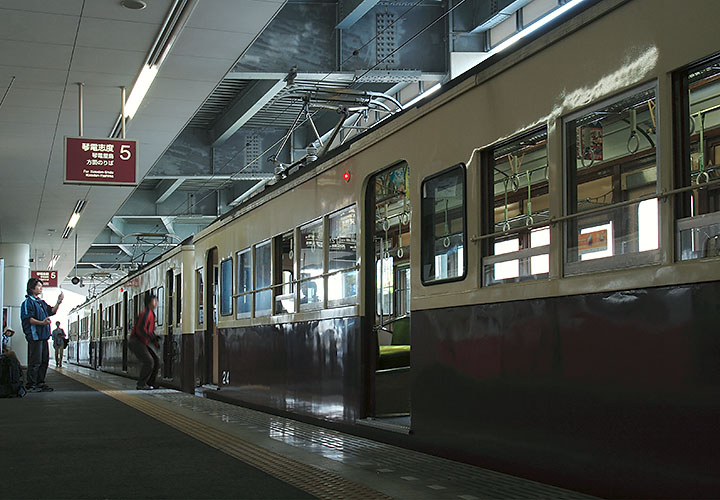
114,310
522,271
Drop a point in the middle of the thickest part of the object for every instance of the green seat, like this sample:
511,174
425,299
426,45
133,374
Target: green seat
396,355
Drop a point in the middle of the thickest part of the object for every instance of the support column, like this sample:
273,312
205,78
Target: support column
17,272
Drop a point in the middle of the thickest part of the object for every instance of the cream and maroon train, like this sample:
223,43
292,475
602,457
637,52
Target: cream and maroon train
552,312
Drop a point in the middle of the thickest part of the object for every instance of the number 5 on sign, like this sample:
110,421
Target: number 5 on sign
125,152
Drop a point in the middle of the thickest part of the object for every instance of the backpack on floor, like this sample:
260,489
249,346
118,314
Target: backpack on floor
10,378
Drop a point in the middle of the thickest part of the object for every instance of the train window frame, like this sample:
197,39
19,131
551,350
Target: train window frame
249,290
423,239
355,268
223,298
200,297
322,277
530,252
267,289
574,220
178,299
279,295
697,227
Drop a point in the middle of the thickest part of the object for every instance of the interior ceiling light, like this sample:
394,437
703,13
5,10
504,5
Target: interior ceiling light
74,218
422,96
141,87
133,4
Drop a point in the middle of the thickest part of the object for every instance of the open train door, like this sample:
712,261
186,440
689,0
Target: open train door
210,349
388,217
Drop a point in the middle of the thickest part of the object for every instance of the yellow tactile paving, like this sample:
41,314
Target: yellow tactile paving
319,483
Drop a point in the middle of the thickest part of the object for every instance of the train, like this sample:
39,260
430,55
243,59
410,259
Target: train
521,272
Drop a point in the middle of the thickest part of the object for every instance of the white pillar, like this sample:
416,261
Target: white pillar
17,272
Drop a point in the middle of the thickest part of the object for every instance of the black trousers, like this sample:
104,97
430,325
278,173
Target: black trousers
38,360
148,359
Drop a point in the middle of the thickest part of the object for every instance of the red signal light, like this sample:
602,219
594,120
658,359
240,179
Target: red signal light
346,176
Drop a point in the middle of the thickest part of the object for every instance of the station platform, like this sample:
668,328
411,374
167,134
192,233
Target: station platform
96,436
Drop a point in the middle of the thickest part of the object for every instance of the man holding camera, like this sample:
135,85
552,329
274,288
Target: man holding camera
35,314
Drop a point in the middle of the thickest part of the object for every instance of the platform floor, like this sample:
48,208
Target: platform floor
95,436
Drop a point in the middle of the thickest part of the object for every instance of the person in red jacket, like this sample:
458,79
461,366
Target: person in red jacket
142,335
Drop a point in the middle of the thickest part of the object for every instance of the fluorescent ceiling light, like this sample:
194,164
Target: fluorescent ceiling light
142,85
53,261
74,218
534,27
422,96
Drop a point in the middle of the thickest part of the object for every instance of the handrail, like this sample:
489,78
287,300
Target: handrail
297,281
593,211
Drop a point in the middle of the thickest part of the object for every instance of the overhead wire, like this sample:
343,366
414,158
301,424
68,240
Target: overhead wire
357,80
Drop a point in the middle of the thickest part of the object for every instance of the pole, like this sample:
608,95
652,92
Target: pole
80,108
122,112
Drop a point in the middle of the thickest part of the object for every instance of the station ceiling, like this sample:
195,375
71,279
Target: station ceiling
232,104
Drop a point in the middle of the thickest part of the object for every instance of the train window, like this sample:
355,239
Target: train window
244,283
699,223
263,278
611,161
312,289
443,226
518,205
285,294
342,256
170,299
160,317
226,295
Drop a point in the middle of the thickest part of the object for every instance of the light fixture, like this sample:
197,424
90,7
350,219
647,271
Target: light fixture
74,218
534,27
133,4
422,96
53,261
174,23
141,87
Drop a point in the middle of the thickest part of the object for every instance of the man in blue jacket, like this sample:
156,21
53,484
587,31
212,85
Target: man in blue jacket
35,314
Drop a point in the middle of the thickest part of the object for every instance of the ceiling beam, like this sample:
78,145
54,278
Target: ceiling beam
355,10
252,100
167,188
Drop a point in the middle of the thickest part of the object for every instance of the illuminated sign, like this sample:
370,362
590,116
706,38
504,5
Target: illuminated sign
48,278
100,161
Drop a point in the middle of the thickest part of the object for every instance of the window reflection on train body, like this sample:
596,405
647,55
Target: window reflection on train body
611,158
520,199
699,233
312,291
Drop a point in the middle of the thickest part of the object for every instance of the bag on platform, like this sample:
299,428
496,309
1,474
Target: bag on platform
10,378
66,341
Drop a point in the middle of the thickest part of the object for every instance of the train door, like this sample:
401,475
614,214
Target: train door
388,294
210,345
124,319
102,319
169,324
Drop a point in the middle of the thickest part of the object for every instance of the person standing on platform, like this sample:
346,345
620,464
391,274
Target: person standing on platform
35,314
143,333
58,336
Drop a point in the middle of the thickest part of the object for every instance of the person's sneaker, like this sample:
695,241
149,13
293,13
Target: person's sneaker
143,387
34,388
46,388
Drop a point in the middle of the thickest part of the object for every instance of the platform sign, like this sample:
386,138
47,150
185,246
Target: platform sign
100,161
48,278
